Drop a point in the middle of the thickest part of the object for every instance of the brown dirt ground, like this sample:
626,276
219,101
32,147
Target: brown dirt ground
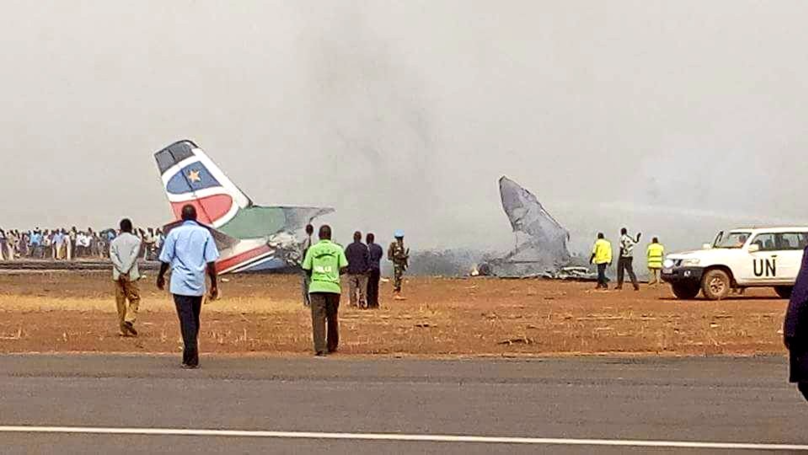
71,312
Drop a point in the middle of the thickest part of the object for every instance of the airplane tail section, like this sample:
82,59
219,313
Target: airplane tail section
250,237
190,177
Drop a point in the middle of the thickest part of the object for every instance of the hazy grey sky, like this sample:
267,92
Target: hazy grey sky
675,118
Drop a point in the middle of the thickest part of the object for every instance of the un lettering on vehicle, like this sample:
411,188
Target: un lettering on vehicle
764,267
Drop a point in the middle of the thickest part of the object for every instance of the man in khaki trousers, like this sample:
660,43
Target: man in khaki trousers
124,252
358,257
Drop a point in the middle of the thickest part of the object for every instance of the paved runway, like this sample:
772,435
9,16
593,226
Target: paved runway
579,403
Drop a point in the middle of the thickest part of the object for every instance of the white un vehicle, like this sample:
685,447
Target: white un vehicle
739,259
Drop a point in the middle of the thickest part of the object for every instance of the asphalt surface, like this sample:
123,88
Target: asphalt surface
728,400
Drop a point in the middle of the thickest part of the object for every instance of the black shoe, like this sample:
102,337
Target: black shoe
319,354
185,366
130,327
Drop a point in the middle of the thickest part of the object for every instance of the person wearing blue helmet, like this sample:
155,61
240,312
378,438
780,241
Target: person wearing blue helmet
400,257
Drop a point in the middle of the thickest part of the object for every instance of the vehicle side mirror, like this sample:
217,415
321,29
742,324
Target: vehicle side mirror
706,246
754,248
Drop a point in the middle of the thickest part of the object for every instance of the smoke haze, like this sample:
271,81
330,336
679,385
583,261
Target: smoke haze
673,118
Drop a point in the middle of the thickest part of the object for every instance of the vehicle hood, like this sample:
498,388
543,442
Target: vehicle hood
701,254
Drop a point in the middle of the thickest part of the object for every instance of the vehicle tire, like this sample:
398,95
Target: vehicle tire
716,285
784,291
685,291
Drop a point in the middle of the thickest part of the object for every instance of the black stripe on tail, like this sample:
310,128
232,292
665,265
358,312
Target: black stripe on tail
174,154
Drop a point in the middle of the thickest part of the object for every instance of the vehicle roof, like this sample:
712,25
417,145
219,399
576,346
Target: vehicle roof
772,229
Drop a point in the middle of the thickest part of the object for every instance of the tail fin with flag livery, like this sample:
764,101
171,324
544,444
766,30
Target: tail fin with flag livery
190,177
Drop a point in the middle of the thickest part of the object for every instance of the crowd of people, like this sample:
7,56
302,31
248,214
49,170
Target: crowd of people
325,261
190,252
364,269
71,244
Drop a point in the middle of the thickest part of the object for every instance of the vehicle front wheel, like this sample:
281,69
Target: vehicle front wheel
716,285
685,291
784,291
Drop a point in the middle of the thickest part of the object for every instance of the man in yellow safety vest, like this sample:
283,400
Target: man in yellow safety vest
602,257
656,253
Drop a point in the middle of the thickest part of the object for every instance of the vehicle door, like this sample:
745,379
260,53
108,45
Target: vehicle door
789,257
731,251
762,259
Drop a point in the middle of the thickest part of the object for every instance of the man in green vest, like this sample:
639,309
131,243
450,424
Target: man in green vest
656,253
324,263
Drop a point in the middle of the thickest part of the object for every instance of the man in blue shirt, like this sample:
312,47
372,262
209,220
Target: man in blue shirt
35,241
190,251
375,253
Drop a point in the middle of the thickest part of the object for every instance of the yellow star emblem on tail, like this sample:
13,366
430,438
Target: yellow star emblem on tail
194,177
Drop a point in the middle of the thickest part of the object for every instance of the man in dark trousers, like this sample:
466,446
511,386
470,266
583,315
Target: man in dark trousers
625,263
358,268
795,330
190,251
602,258
375,253
325,262
399,255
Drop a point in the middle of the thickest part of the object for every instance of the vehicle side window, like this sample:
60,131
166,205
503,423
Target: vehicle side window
792,241
766,242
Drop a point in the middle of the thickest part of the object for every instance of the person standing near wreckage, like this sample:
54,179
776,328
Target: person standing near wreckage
359,260
190,252
655,255
123,253
625,263
376,253
325,262
602,257
400,257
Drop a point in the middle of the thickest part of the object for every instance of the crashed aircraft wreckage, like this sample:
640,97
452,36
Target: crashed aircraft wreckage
541,241
250,237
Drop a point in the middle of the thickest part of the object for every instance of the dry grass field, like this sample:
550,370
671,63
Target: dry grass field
72,312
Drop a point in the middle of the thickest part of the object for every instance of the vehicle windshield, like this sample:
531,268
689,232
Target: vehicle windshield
733,240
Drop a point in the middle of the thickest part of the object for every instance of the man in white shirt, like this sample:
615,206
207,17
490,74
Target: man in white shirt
84,241
625,263
79,249
124,252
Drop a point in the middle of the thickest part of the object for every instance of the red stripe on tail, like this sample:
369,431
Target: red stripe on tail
209,209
